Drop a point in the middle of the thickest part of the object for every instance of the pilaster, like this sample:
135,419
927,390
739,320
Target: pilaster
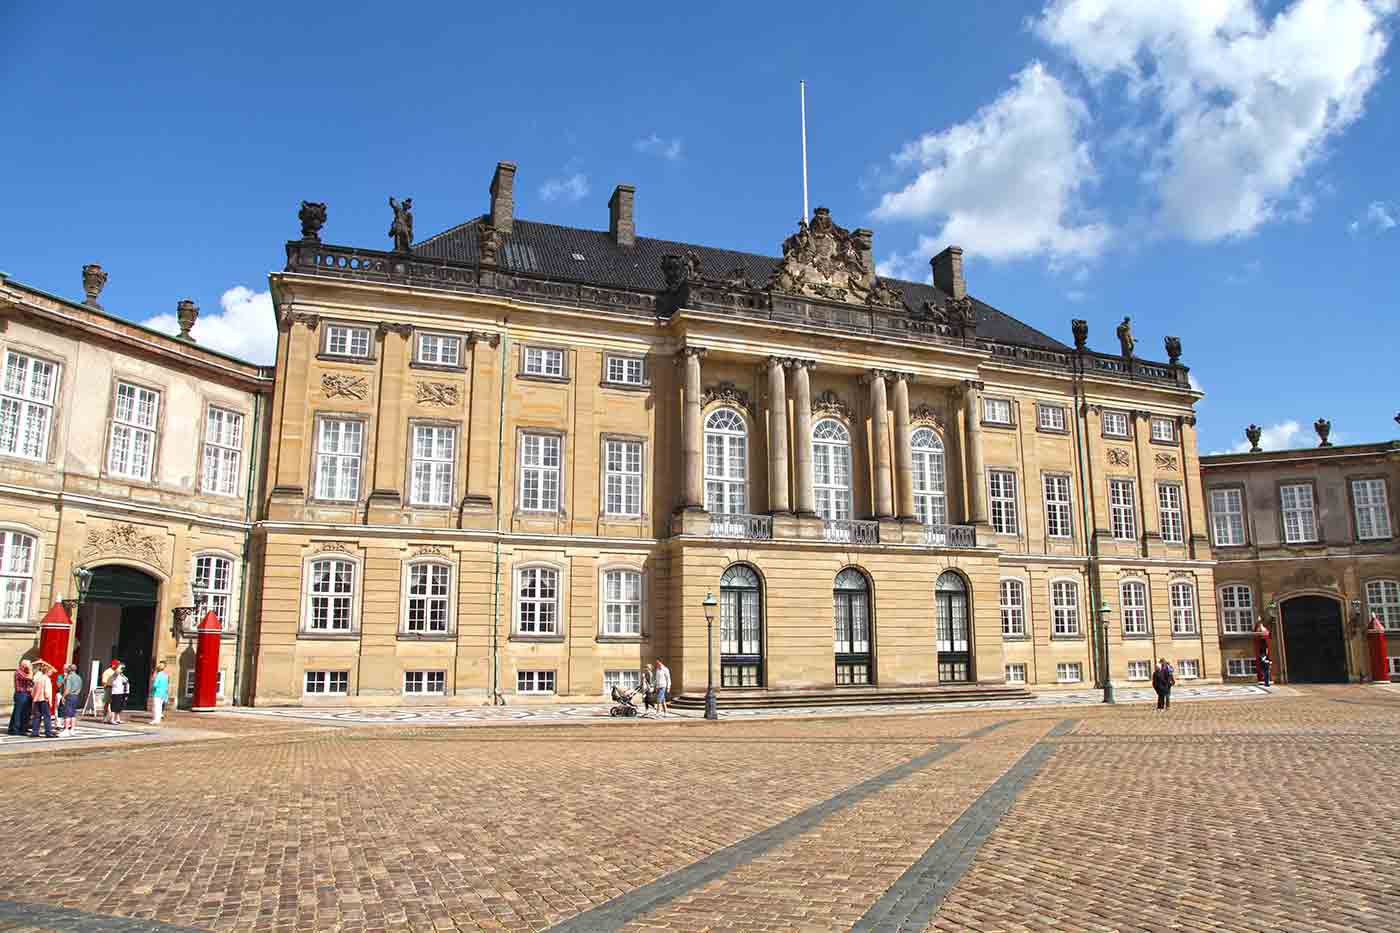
386,495
778,501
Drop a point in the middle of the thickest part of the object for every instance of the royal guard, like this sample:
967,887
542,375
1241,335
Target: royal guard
1261,649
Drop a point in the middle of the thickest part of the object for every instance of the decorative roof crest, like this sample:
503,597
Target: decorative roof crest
823,260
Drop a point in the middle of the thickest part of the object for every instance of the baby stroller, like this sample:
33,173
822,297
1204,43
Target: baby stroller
622,702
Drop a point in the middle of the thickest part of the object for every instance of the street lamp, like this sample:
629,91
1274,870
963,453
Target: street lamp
1107,679
82,579
711,712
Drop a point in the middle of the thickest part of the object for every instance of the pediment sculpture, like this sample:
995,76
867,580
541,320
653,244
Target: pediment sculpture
823,260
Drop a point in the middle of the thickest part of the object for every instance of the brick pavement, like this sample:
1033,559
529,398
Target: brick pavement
1131,821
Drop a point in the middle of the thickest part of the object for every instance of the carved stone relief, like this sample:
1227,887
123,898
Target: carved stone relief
823,260
124,540
925,414
438,393
1165,461
431,550
1119,457
344,384
728,393
829,403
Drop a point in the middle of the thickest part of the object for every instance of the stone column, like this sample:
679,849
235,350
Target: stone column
295,426
880,440
778,502
903,448
802,436
692,455
976,475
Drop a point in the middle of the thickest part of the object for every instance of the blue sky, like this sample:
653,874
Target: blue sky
1222,171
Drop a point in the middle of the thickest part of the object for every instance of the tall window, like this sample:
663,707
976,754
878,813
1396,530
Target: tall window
223,451
831,469
434,454
622,602
1002,486
1124,515
726,463
429,598
540,361
1115,423
1013,608
953,628
851,612
439,349
26,405
339,444
1050,418
537,601
16,575
347,341
740,628
133,443
332,595
930,484
1134,604
1383,598
624,477
1183,609
627,370
213,588
1163,429
996,411
1237,609
1169,509
1372,510
1227,516
1299,522
1058,522
1064,607
539,472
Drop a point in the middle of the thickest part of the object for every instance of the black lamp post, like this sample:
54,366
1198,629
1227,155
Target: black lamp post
82,579
711,712
1107,677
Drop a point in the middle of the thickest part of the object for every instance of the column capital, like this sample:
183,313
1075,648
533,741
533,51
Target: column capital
1142,415
778,361
973,385
793,362
894,375
491,338
386,327
689,350
289,318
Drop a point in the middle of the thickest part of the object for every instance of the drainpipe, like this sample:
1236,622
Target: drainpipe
244,637
495,698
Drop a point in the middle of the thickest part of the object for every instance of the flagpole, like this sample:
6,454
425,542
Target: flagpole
802,86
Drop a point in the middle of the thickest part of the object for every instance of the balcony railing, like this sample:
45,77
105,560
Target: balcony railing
738,525
844,531
950,535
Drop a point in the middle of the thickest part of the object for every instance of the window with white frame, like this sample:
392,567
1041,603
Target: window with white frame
429,608
1115,423
622,602
1133,594
1188,669
26,405
332,595
1394,663
1383,599
1368,497
539,472
1236,609
1064,607
1242,667
1169,510
434,457
1299,521
831,469
342,340
1163,429
16,576
327,683
132,448
1227,516
1001,485
1059,521
213,589
623,462
1013,608
621,680
420,683
1139,670
1183,600
1069,672
1015,673
439,350
1121,503
542,361
534,681
996,410
537,601
223,451
726,463
627,370
1050,417
339,446
930,483
189,683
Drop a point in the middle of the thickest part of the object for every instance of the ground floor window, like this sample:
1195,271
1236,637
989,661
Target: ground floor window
624,680
1394,666
1188,669
534,681
189,682
952,627
327,683
1015,673
1242,667
1071,673
740,628
851,617
1139,670
425,682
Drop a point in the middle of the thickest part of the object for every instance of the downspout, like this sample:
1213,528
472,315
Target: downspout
1081,415
495,698
244,637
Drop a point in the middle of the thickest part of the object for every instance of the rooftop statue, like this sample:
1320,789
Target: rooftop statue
402,228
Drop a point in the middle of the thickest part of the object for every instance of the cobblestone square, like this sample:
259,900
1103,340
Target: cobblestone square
1273,813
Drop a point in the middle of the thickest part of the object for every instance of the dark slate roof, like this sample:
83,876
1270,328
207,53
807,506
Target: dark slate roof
590,256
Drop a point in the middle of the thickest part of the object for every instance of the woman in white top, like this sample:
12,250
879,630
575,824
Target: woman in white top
120,688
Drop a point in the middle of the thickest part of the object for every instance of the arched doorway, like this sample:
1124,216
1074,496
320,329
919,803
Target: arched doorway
851,608
119,621
950,607
1313,643
740,628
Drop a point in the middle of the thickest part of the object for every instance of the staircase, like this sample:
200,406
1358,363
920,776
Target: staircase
851,696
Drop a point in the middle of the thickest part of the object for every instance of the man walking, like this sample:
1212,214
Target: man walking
1162,680
72,698
24,687
43,702
663,685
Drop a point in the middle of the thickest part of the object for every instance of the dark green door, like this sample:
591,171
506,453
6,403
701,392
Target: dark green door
1315,650
134,644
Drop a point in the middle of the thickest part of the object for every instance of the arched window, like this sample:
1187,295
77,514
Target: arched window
16,575
1183,609
1133,594
851,609
428,610
740,628
951,617
1013,609
1236,609
726,463
332,595
930,488
831,469
213,589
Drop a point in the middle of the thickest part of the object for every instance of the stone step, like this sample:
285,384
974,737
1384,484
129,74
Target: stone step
850,696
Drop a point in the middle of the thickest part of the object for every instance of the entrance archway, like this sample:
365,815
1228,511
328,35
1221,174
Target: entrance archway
119,621
1314,646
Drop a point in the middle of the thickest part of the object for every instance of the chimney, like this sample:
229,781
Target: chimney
947,272
620,223
503,197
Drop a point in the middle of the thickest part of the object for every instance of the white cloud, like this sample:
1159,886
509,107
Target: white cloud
245,328
655,145
1006,183
571,188
1379,216
1245,104
1281,436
